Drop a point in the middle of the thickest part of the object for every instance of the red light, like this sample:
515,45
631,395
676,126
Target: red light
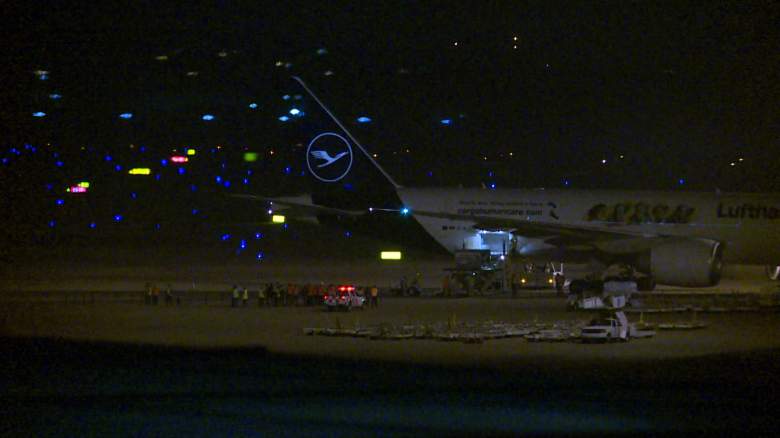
77,189
342,288
179,159
325,297
350,288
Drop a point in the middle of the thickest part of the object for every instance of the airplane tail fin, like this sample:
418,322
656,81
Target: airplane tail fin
342,173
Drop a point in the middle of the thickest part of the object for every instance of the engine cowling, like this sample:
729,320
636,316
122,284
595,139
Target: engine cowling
685,262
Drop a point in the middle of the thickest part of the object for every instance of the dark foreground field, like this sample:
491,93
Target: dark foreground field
59,387
127,369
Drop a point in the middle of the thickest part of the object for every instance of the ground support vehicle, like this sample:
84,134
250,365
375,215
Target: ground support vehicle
613,327
345,298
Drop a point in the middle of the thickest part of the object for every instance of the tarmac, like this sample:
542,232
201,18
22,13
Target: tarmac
85,356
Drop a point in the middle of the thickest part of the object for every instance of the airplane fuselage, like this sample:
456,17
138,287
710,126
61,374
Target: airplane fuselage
747,224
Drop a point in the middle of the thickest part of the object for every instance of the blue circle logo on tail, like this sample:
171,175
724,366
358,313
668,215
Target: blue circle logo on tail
329,157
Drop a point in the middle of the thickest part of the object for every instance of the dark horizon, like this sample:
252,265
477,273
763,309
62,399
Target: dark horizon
656,96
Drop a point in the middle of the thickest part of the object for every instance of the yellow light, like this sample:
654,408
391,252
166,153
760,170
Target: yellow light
190,152
277,219
139,171
84,184
390,255
522,280
550,280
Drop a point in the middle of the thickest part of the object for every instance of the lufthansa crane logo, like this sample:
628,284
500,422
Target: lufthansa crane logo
329,157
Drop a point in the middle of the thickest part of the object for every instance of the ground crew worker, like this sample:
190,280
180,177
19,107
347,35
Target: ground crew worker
278,293
269,291
261,296
246,296
234,297
374,296
320,294
296,295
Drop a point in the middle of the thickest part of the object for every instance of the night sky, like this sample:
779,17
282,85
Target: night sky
637,95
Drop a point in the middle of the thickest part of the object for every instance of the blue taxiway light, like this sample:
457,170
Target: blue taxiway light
207,117
126,116
446,121
283,118
253,105
364,119
295,112
118,217
39,114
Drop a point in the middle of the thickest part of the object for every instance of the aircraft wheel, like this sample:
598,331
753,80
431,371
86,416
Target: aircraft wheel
577,287
645,284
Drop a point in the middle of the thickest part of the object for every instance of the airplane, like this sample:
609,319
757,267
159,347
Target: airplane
672,238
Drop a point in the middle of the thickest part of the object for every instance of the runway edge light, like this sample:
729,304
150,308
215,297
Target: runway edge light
277,219
390,255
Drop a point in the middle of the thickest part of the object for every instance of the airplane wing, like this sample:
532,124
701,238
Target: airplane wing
558,234
301,206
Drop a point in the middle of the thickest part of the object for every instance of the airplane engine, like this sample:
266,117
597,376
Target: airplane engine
692,263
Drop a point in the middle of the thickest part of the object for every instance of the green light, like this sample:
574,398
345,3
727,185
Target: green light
250,156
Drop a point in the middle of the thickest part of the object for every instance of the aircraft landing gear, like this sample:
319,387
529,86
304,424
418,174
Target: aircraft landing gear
577,287
645,284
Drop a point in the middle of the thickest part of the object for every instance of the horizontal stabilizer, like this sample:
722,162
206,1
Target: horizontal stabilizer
299,206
